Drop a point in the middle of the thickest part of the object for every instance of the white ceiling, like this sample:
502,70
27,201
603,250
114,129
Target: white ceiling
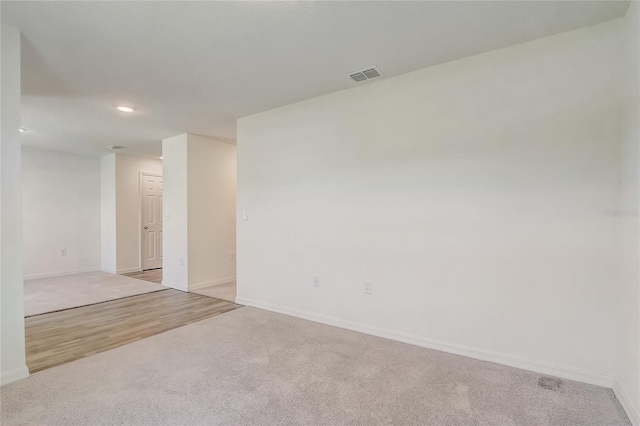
198,66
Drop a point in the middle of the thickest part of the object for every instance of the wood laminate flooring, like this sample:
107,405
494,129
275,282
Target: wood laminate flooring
60,337
151,275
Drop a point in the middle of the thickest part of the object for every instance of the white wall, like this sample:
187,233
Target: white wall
108,213
93,203
627,303
199,210
128,169
61,210
472,195
12,355
174,228
211,211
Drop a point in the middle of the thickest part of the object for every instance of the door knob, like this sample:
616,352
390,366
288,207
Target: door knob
146,227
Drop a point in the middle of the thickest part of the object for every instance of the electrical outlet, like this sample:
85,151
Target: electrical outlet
182,261
232,255
316,281
245,216
63,252
368,287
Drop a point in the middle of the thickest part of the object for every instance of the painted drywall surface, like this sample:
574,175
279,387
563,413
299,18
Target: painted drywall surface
472,194
211,211
12,355
175,226
108,213
627,303
199,211
128,169
61,210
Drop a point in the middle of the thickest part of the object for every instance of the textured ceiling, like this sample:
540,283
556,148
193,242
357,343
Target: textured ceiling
198,66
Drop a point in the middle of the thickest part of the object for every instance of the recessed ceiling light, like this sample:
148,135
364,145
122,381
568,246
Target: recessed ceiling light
22,129
115,147
125,109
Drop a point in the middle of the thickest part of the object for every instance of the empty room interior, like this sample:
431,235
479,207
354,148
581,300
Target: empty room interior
320,213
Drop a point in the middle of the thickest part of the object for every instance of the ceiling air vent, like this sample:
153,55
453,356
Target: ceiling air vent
371,73
115,147
358,77
366,74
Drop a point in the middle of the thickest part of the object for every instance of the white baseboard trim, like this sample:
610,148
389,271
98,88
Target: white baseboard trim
128,270
59,274
481,354
632,412
108,271
219,281
14,375
176,286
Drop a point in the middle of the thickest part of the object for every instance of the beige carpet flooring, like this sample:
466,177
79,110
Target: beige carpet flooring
69,291
253,367
226,291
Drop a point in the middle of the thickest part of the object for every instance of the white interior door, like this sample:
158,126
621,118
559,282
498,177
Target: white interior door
151,240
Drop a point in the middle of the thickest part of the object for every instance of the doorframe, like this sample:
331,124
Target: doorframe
141,175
